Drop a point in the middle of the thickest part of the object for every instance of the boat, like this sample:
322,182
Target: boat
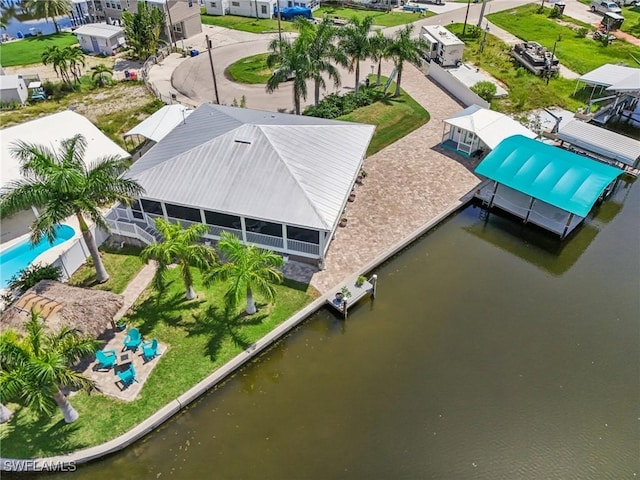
535,58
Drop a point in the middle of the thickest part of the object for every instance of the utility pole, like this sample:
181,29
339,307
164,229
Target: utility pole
553,55
466,16
171,38
484,39
213,72
484,4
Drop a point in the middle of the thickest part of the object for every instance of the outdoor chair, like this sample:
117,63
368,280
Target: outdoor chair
150,349
128,376
133,340
106,359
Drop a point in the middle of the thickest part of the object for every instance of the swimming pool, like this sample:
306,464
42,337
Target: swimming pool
21,255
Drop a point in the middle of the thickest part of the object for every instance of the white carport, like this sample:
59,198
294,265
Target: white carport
479,129
606,145
158,125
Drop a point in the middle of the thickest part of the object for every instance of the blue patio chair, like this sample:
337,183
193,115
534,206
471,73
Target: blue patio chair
128,376
150,349
133,340
106,359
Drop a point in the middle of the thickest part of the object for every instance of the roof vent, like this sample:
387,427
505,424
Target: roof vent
243,140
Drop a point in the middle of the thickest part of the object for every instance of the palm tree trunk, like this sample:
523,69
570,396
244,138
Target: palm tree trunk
296,102
357,76
379,81
398,80
191,293
251,304
316,88
101,273
68,412
5,413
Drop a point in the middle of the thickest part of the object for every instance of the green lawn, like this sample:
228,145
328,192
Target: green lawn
201,337
382,19
251,69
122,264
117,123
394,118
247,24
631,24
578,54
29,50
526,91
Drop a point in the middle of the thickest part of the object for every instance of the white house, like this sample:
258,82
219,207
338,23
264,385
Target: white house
253,8
13,89
100,38
444,47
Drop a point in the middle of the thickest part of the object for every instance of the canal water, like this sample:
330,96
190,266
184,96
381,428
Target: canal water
491,352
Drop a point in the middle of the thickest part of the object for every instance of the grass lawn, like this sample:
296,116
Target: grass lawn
578,54
526,91
251,69
201,337
382,19
122,265
29,50
115,124
247,24
393,117
631,24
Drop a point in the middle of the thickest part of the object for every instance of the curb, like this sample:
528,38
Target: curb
69,461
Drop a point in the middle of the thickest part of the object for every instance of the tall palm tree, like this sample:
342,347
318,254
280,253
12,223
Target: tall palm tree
323,52
37,367
179,245
355,43
56,57
60,184
49,9
247,268
289,60
75,56
402,49
100,72
379,51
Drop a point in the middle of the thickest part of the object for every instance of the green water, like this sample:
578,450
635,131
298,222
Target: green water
490,353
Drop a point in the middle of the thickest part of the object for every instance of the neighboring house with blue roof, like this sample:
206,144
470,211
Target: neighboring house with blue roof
542,184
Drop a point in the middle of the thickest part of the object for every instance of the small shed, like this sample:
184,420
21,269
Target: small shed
13,89
100,38
479,129
611,147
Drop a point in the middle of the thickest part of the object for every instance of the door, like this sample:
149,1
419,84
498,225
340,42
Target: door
94,45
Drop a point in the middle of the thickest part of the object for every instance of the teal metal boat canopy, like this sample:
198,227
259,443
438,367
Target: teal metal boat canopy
556,176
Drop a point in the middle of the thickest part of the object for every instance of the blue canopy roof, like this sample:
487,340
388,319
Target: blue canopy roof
556,176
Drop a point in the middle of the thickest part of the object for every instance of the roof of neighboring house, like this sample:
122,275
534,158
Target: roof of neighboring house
441,35
50,131
272,166
490,126
10,82
555,176
99,30
601,141
181,11
607,75
629,83
158,125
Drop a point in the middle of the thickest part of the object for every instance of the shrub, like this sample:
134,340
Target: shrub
485,90
334,105
555,13
582,32
30,276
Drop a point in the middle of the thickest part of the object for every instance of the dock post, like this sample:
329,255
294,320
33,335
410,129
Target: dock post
374,282
344,308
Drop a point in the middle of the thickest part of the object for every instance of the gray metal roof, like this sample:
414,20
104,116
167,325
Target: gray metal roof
272,166
99,30
606,75
601,141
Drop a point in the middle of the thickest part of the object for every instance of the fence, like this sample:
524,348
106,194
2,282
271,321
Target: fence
76,255
454,86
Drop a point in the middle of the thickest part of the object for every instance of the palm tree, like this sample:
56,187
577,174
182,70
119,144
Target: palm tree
6,15
142,30
404,48
37,367
179,245
322,51
289,60
60,184
75,57
379,51
247,268
356,44
49,9
100,72
54,56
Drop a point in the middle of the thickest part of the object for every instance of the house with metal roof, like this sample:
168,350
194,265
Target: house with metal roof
100,38
544,185
275,180
13,89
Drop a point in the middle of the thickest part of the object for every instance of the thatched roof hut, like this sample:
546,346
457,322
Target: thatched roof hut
90,311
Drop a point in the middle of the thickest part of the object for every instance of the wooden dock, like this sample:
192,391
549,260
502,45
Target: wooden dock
355,292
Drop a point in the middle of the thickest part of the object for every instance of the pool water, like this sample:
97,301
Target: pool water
21,255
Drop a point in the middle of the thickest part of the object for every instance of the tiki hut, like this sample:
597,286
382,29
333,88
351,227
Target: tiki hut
61,305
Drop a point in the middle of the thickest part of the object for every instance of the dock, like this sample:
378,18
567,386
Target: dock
352,292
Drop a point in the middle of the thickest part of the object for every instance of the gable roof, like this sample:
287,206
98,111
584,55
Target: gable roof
272,166
492,127
556,176
158,125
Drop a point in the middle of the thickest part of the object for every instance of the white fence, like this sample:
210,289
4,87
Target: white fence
76,255
454,86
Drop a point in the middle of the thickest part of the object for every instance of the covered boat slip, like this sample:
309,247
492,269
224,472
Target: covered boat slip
542,184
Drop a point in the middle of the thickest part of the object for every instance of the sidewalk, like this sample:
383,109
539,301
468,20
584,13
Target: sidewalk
135,288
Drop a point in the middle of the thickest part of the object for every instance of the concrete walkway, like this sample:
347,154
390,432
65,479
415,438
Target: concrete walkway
135,288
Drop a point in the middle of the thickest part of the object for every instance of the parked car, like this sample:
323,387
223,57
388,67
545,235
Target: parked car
604,6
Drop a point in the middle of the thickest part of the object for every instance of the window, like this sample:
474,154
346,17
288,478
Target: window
264,9
222,220
190,3
177,27
303,235
136,209
183,213
235,4
151,207
265,228
212,4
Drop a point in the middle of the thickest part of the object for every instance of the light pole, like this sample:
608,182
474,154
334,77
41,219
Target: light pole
553,55
484,39
466,16
484,4
213,72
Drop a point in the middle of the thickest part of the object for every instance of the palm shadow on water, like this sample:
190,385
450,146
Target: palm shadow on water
220,324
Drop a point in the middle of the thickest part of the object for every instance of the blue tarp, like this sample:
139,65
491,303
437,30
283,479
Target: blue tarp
556,176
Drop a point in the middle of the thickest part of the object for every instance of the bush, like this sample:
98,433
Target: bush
555,13
334,105
30,276
582,32
485,90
